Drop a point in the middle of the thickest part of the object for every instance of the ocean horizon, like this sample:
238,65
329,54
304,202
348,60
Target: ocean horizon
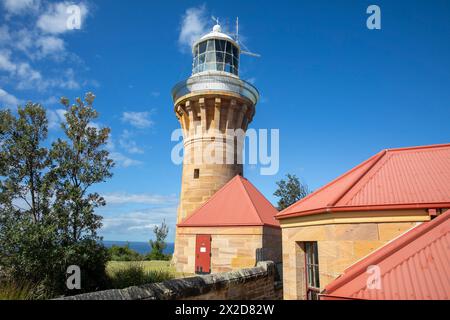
138,246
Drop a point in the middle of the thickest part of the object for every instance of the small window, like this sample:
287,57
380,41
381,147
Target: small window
201,59
229,48
202,47
312,271
210,46
220,45
196,173
235,51
220,66
210,57
219,56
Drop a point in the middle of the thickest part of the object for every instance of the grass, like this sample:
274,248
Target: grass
114,266
15,291
125,274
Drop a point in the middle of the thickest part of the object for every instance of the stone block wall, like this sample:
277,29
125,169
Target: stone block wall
205,119
256,283
232,248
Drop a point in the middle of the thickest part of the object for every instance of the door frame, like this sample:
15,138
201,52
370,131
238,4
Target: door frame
197,253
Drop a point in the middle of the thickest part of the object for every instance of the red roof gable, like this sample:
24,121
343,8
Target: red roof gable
415,266
238,203
417,177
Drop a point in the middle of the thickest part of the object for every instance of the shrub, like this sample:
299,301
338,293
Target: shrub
133,275
123,253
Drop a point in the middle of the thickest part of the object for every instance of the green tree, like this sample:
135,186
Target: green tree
27,229
290,191
80,162
159,244
47,218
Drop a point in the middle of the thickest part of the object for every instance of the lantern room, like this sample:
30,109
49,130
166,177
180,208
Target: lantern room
216,51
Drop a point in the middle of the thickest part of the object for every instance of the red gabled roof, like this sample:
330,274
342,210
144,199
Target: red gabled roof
417,177
238,203
415,266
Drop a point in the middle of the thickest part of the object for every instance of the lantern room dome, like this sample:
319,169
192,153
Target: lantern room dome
216,33
216,52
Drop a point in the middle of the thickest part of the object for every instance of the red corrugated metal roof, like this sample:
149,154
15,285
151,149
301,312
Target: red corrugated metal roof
415,266
238,203
417,177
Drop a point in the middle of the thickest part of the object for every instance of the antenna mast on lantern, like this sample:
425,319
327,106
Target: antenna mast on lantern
246,51
237,29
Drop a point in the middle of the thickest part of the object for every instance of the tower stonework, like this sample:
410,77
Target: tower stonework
212,106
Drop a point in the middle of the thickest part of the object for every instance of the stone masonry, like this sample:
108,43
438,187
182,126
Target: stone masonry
232,248
339,246
211,157
258,283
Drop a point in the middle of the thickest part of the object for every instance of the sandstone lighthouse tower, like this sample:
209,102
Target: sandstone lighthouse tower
210,103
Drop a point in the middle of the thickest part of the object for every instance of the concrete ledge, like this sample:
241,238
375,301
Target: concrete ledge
251,283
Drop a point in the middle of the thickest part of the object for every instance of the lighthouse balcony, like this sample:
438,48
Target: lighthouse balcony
214,82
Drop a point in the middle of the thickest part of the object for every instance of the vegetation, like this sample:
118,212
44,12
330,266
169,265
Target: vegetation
124,253
47,219
159,244
290,191
14,291
126,274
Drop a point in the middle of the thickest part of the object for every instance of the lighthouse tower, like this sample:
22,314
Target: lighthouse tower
211,105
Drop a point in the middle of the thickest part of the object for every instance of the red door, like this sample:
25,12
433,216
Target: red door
203,254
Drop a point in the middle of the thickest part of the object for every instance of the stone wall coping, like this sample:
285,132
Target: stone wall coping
181,288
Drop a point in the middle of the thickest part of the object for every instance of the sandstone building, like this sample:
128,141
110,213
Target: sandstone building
362,210
235,227
415,266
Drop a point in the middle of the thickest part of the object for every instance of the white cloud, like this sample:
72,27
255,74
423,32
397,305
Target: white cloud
55,118
94,125
123,161
50,100
140,221
20,6
193,26
27,73
8,99
5,62
127,143
54,20
22,73
50,45
139,120
4,34
141,198
26,40
119,158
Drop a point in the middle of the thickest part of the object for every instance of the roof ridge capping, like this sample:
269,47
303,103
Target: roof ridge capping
431,146
258,210
358,178
226,185
334,181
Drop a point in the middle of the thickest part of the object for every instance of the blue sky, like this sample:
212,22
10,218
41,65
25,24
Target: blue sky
337,91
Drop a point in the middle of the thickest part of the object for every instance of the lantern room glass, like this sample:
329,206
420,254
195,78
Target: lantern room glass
216,55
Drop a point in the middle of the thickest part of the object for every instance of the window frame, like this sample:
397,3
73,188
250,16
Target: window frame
210,55
312,271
